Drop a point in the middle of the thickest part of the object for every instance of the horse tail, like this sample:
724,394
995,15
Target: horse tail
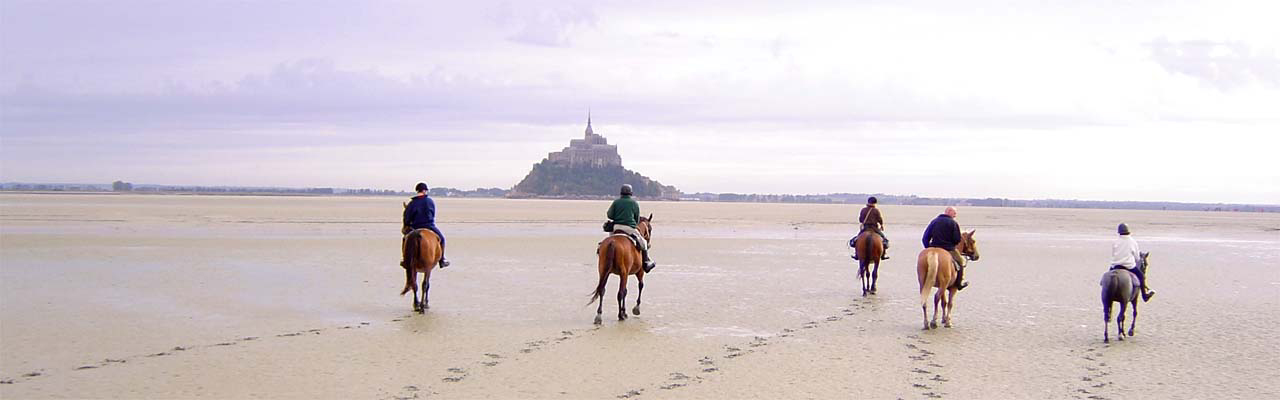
604,272
930,277
412,248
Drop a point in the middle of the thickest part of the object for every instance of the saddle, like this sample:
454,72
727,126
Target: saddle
633,240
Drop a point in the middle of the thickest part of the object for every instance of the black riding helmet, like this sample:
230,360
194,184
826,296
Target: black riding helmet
626,189
1122,229
871,200
420,187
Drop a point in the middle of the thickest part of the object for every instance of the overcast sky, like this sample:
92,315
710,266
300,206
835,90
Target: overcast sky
1175,101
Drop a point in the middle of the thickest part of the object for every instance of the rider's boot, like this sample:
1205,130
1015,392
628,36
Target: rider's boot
648,264
1147,294
885,256
960,283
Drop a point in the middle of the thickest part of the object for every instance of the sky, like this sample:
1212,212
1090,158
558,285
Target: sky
1153,101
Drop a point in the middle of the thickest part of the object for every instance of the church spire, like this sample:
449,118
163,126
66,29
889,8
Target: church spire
589,132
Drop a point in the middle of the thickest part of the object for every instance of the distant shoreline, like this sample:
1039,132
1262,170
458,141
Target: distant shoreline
737,198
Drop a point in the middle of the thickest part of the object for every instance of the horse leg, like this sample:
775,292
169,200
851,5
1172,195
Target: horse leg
600,295
862,276
1120,321
426,287
410,276
950,304
924,308
875,276
640,281
936,299
1132,324
1106,321
622,298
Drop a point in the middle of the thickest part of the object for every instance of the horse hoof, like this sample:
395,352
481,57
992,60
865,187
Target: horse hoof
1106,340
1131,332
933,325
635,311
947,325
598,322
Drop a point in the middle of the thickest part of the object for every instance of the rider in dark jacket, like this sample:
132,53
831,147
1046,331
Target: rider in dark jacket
421,214
871,220
944,233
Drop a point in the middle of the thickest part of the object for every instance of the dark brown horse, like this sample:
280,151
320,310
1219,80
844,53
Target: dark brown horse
619,256
422,251
934,268
870,248
1121,286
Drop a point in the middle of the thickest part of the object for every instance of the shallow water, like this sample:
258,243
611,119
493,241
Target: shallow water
760,294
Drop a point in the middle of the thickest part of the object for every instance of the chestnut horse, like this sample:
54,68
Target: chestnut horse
1121,286
619,256
935,269
422,251
870,248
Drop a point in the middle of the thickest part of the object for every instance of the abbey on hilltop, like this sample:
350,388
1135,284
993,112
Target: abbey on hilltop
588,168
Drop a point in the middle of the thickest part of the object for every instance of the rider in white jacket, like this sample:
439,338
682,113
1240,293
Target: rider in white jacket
1124,254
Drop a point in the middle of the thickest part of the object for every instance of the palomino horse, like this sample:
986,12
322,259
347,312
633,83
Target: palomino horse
933,267
1119,285
422,252
617,255
870,248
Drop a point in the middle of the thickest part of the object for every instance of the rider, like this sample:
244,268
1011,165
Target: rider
871,220
943,232
625,213
1124,254
421,214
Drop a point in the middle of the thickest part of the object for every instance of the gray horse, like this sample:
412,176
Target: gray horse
1120,285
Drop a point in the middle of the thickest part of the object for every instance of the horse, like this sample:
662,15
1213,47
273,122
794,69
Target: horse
870,248
422,251
931,274
619,256
1120,285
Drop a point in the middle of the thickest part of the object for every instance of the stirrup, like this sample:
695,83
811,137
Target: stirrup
444,262
648,266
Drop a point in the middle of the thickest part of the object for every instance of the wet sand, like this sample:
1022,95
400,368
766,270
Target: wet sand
132,296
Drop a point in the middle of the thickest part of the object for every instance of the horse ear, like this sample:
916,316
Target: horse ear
406,205
971,232
650,217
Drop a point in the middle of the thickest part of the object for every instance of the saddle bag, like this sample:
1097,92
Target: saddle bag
608,226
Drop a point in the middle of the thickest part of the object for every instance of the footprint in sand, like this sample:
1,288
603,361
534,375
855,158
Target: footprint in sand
32,374
86,367
631,393
160,354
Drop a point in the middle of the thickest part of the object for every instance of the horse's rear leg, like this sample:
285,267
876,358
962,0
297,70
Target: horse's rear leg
1106,321
936,299
862,276
1134,322
640,282
875,275
426,287
1120,321
622,298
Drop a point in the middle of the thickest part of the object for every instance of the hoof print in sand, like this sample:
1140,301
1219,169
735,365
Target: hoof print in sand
459,374
82,367
630,394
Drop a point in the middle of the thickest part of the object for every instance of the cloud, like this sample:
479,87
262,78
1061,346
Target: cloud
552,26
1221,64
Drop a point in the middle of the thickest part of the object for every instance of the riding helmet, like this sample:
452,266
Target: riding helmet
871,200
626,189
1123,229
420,187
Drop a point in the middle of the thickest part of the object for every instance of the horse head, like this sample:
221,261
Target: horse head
1142,261
404,229
970,245
645,226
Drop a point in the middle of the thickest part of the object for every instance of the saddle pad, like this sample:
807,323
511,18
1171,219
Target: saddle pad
623,234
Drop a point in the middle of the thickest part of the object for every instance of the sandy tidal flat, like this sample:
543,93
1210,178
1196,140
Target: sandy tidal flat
105,296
